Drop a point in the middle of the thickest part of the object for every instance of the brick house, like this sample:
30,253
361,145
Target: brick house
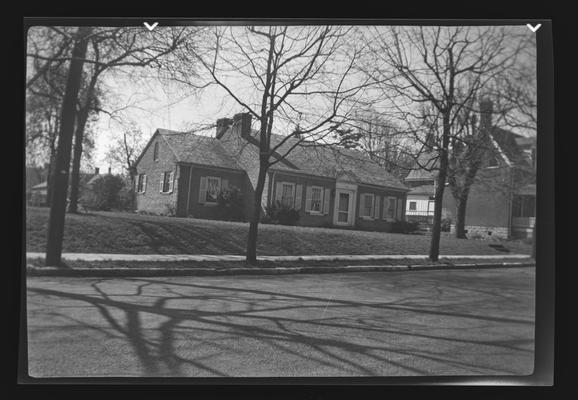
181,173
502,201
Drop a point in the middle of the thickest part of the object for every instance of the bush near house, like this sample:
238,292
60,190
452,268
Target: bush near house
230,205
279,213
446,224
105,194
401,226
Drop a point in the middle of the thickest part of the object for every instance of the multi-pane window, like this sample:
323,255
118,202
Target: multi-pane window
140,185
366,205
167,179
287,194
316,198
213,188
413,205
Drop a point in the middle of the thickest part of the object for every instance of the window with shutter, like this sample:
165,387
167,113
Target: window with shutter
316,199
171,181
376,208
140,183
213,189
167,182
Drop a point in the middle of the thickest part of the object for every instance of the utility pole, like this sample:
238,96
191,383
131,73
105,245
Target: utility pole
59,178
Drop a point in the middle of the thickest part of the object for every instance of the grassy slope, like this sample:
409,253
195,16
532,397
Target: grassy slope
107,232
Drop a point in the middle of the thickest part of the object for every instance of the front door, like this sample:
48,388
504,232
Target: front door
343,207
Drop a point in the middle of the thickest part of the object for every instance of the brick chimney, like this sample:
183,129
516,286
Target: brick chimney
242,124
222,125
486,110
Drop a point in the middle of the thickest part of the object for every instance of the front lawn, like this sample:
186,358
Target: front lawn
126,233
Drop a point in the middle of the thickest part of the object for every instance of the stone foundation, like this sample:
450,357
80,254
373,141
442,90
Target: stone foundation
484,232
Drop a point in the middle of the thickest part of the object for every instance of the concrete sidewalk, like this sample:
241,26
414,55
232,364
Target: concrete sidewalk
206,265
215,258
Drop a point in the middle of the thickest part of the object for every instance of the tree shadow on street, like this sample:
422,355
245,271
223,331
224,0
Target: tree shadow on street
289,323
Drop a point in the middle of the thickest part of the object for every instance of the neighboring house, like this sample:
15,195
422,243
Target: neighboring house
37,195
502,201
419,206
183,173
35,187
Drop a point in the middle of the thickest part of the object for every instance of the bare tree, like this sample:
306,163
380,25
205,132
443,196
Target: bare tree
293,79
381,139
429,75
124,150
59,179
110,48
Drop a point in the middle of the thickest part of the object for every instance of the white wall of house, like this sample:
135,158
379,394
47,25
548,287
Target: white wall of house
419,205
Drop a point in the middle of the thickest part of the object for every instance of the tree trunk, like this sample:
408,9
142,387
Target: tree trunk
461,203
434,250
75,174
62,164
255,218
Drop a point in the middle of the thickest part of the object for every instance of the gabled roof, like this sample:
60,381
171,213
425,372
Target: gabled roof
189,147
421,174
509,145
423,189
323,161
40,186
331,162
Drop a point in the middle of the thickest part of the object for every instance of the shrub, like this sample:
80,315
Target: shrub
279,213
401,226
126,201
103,195
230,204
170,210
446,224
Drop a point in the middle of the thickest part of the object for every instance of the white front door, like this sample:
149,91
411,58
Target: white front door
344,207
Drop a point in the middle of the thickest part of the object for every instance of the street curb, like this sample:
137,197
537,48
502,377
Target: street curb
202,271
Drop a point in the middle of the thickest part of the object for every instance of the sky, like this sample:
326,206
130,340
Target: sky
152,103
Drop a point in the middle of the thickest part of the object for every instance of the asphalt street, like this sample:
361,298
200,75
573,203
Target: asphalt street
453,322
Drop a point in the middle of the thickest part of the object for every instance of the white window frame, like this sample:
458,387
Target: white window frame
170,182
321,193
143,187
219,184
414,202
362,208
292,185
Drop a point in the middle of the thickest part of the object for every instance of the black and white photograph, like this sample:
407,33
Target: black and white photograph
265,199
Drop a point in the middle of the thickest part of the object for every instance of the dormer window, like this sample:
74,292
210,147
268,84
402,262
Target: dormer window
156,152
